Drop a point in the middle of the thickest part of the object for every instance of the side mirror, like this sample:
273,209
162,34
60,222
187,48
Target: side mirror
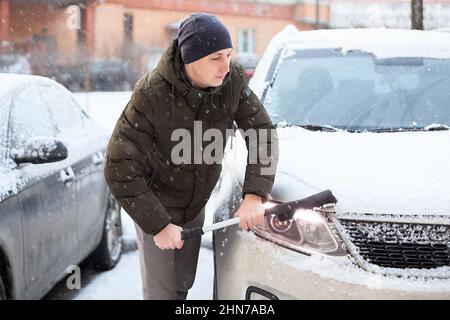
40,150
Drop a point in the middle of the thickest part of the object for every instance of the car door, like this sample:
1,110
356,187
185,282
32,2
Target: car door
47,234
85,145
11,237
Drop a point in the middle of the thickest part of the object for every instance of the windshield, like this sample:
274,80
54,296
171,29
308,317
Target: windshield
356,91
3,127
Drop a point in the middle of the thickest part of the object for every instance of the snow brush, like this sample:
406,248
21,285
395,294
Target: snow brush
284,211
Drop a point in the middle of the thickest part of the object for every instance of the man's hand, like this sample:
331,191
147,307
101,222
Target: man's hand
251,211
169,237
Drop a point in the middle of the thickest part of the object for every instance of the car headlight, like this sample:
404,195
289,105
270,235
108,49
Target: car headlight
307,231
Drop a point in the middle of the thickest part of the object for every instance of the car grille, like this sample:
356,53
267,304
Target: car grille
400,245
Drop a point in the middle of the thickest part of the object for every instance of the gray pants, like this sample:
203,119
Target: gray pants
168,274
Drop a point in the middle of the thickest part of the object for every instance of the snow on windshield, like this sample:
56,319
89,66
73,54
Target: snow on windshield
4,103
382,43
357,91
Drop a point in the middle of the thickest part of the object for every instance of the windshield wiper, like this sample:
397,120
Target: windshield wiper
433,127
436,127
316,127
312,127
328,128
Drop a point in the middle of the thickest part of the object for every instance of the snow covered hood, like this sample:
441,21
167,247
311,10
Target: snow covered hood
380,173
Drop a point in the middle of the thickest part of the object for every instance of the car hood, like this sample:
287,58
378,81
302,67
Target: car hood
404,173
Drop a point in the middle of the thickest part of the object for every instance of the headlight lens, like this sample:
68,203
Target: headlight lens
307,231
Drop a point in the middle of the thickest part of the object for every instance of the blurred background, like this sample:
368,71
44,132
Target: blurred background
106,45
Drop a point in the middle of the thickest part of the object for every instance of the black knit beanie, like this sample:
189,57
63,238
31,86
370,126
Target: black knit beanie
200,35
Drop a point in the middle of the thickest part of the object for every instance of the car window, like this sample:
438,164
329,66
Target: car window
29,117
64,111
358,91
4,108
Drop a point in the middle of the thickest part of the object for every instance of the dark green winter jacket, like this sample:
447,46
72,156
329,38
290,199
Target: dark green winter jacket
140,173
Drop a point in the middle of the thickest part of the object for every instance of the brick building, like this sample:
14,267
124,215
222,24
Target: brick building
58,33
387,13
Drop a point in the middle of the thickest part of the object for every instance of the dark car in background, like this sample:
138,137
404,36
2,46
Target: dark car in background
111,75
73,77
248,61
97,75
55,206
15,63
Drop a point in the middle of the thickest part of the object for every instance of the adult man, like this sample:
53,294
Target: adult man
193,82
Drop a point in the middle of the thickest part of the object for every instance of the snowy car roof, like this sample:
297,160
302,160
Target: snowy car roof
382,42
11,81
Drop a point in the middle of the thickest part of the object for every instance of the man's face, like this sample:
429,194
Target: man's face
210,71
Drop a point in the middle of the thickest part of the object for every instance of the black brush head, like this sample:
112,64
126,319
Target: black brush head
285,211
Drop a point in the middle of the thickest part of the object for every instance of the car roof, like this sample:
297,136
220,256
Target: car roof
381,42
9,82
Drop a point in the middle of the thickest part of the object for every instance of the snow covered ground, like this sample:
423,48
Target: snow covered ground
124,282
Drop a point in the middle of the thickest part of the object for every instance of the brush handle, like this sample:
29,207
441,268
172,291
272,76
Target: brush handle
191,233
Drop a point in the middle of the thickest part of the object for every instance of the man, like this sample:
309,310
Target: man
194,82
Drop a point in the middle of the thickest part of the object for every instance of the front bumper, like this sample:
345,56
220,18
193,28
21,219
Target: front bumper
250,267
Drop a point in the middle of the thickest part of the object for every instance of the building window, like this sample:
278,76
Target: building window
128,27
246,40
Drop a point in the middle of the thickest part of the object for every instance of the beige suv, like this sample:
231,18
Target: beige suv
366,114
